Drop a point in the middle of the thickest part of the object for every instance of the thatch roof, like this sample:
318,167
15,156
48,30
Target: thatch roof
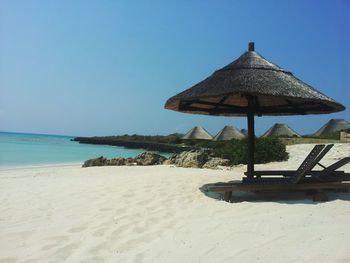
280,130
197,133
229,133
275,90
333,125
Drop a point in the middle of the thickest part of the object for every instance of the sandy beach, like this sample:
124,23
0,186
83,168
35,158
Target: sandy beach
160,214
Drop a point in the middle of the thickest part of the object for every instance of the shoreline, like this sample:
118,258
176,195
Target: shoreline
39,166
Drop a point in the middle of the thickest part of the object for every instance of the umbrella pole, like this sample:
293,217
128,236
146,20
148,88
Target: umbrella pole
251,139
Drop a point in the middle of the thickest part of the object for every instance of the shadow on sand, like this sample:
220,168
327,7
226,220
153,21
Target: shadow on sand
295,197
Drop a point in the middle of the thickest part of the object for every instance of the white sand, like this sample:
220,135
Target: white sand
158,214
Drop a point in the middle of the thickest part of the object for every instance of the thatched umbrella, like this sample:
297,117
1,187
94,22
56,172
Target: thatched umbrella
250,86
280,129
197,133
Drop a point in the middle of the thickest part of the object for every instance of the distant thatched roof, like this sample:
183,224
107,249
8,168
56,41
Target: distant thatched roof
198,132
229,133
333,125
275,91
279,129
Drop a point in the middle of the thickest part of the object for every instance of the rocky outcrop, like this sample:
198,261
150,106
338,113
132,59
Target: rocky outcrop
194,159
197,159
215,162
100,161
116,161
190,159
146,158
130,162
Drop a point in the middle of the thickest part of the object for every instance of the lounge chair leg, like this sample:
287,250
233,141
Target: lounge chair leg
320,196
227,196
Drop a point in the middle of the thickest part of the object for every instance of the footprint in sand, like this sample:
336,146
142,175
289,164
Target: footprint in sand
76,229
100,232
50,246
121,210
58,238
100,247
169,224
104,209
139,229
152,220
8,260
93,260
139,258
129,244
118,231
129,195
64,252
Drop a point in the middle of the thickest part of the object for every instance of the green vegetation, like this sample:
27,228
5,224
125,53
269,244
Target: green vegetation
168,139
328,136
267,149
169,143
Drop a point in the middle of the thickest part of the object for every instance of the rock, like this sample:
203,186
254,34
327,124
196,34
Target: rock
148,158
194,158
116,161
130,161
100,161
168,162
197,159
172,159
215,162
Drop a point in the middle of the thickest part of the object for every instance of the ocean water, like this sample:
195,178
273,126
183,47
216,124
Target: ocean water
22,150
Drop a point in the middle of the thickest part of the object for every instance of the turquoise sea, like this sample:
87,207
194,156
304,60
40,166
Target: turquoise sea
23,149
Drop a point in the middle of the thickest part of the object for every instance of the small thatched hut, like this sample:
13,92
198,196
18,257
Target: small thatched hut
197,133
333,125
229,133
280,130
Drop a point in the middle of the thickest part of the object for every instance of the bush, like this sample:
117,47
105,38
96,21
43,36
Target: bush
234,150
200,143
168,139
329,136
267,149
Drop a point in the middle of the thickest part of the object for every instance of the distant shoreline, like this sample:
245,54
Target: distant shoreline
34,133
148,146
38,166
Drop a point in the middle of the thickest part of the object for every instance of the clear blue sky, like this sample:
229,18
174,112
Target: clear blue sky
107,67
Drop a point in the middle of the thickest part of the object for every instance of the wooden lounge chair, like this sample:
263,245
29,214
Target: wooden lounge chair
317,187
302,179
294,176
305,172
329,173
311,160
